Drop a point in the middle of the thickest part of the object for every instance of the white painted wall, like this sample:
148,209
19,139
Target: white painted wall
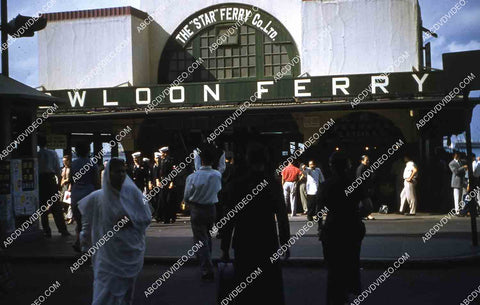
366,36
86,53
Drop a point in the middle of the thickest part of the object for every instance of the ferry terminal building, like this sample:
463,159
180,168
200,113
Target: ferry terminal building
174,72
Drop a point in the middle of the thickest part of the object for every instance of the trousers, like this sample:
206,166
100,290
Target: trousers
302,190
47,189
312,206
202,218
408,195
289,189
457,197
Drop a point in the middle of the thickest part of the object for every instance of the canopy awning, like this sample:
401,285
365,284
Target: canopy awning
12,90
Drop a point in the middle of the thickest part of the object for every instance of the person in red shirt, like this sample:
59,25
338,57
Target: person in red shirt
290,175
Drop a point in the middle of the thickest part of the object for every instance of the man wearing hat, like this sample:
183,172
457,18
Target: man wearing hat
139,174
155,181
148,172
167,194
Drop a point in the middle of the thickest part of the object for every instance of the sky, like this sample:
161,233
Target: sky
461,32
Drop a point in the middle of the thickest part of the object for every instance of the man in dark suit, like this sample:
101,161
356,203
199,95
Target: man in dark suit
369,183
155,182
458,180
167,193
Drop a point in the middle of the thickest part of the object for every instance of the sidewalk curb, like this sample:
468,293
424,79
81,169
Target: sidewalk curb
366,263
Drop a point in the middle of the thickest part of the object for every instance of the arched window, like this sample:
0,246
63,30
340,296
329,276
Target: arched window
245,52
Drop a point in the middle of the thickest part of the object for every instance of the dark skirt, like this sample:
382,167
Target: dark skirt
263,287
341,250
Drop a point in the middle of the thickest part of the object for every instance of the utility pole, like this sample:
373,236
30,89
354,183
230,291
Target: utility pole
471,181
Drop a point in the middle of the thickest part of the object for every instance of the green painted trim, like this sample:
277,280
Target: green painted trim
401,85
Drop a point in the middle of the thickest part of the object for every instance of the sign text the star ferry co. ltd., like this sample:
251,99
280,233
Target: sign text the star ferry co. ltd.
405,84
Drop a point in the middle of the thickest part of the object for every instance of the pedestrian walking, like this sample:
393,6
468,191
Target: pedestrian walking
290,175
219,163
201,191
368,183
156,183
117,263
85,179
65,185
314,178
458,180
168,200
255,237
408,194
225,196
343,231
49,177
302,190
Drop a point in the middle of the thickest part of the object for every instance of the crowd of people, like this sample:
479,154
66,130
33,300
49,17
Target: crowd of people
214,185
306,183
146,177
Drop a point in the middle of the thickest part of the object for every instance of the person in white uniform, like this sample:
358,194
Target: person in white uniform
116,263
409,181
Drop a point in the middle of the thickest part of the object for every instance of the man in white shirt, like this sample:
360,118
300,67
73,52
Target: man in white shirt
201,189
409,181
314,178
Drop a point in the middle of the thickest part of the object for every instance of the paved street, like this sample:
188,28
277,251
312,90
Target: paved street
388,237
435,273
303,285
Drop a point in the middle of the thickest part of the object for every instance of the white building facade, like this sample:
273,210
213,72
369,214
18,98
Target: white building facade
111,47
